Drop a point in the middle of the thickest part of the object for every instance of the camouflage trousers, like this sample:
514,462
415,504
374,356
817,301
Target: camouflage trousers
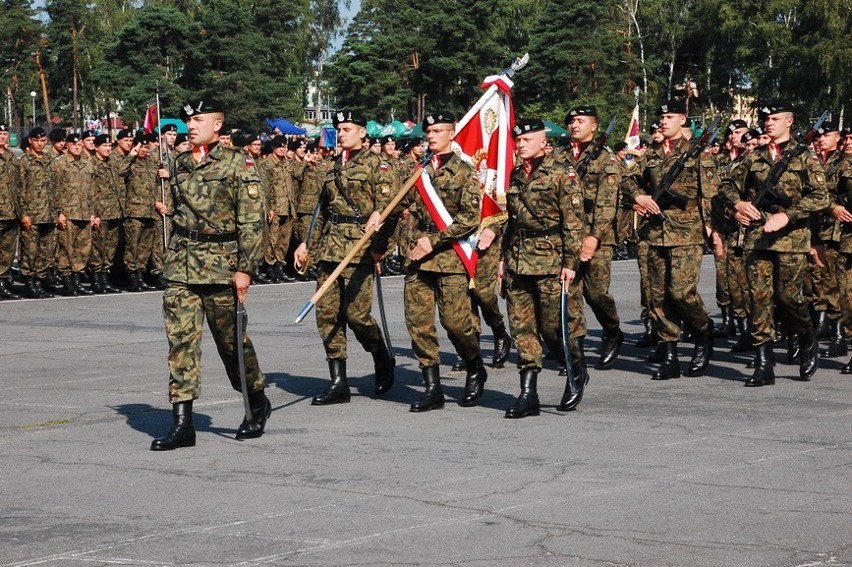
483,296
399,240
597,274
38,250
723,290
776,278
104,245
644,284
8,244
737,282
844,281
184,309
158,249
139,237
534,308
347,303
278,242
425,290
673,274
824,290
75,247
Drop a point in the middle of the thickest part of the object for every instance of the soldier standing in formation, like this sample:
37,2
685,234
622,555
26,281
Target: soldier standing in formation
10,213
109,200
38,219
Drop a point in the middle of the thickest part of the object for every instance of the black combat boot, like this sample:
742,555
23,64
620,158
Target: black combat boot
764,371
743,344
182,433
847,368
670,366
658,355
261,409
135,279
474,383
502,346
610,347
460,364
822,326
31,288
384,363
97,285
433,396
838,346
794,351
338,391
52,279
79,285
752,362
69,289
6,291
527,403
729,325
257,277
281,273
650,337
44,293
160,282
702,353
809,361
105,283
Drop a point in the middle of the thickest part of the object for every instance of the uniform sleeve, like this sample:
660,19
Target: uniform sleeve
631,182
606,198
732,185
251,213
572,213
708,182
814,192
387,186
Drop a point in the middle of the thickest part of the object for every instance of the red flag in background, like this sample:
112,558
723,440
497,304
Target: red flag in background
151,118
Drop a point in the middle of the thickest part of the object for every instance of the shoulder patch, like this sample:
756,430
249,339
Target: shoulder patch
249,162
252,190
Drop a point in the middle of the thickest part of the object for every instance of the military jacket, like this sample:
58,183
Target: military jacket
457,186
600,192
365,182
310,185
278,182
554,193
221,195
722,213
9,186
825,226
109,189
803,183
143,187
844,197
35,197
74,187
697,184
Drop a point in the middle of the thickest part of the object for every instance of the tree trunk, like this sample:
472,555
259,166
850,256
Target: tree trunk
43,80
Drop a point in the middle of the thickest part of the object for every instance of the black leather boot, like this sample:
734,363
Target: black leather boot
44,293
658,355
838,346
160,282
764,372
794,351
281,273
702,353
527,403
52,279
97,285
579,364
474,383
780,333
258,278
610,347
502,346
433,396
261,409
182,433
460,364
822,326
268,271
338,391
743,344
105,283
79,285
847,368
31,288
752,362
6,291
670,366
384,363
650,337
809,347
68,288
729,325
134,278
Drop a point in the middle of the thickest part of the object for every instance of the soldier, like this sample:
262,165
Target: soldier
74,192
168,135
57,143
436,274
109,200
88,137
182,144
392,264
10,213
123,144
38,216
218,239
278,183
540,254
675,230
777,239
162,222
841,212
601,181
357,188
310,186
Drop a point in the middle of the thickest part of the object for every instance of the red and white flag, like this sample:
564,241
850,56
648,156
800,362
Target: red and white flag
151,118
632,137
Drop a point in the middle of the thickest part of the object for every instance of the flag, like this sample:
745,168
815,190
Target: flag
632,136
151,118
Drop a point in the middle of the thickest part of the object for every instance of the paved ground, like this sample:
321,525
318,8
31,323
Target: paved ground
693,472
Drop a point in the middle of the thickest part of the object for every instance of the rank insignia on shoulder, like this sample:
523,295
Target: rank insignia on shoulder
253,191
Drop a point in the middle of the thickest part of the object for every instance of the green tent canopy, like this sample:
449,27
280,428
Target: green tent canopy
374,129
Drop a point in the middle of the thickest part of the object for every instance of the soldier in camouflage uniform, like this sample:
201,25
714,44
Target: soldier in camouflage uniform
316,169
109,200
74,194
842,211
392,263
10,213
158,251
219,235
358,187
676,241
279,184
600,201
38,216
777,240
541,250
56,147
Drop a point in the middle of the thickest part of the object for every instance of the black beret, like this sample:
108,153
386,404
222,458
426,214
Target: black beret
313,145
4,128
57,135
438,118
37,133
653,128
101,140
73,138
827,126
250,138
527,126
139,138
181,138
374,140
168,128
752,134
151,138
349,117
776,107
671,107
295,144
736,124
581,111
88,134
619,146
846,131
278,142
387,139
122,134
225,130
238,138
202,106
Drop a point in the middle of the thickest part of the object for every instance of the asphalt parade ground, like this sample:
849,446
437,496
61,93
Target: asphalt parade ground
691,472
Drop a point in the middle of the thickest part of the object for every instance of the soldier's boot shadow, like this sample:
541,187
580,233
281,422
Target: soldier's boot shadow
155,422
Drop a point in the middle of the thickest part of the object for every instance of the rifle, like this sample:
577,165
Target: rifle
766,198
598,146
662,193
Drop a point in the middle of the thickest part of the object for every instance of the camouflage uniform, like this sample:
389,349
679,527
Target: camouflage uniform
535,255
723,288
280,187
109,199
10,212
158,248
844,271
826,232
74,194
776,263
484,292
38,244
308,195
733,237
140,227
221,199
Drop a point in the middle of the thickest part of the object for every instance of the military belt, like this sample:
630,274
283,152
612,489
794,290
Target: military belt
335,218
427,226
199,236
529,233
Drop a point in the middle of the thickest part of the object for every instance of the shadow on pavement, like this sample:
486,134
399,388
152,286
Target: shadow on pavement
156,421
